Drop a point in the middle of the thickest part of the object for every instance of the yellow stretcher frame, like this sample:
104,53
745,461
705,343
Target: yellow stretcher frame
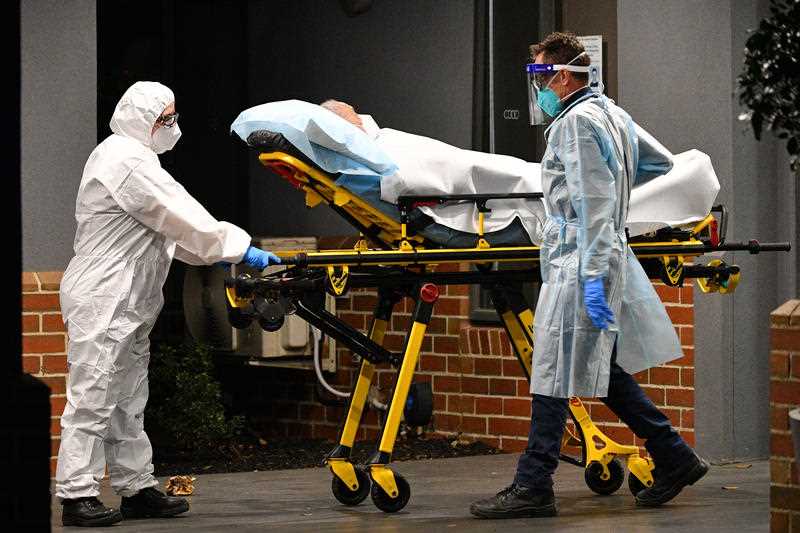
390,491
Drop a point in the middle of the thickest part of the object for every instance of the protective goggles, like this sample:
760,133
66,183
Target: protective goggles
167,120
539,77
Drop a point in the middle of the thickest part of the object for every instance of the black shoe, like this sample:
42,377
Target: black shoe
667,485
88,512
516,501
152,503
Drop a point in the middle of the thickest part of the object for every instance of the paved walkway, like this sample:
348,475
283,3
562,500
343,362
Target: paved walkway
300,500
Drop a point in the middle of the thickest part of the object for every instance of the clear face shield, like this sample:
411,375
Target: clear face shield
543,103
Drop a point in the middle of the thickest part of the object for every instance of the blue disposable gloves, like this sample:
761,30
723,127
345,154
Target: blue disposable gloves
259,259
594,299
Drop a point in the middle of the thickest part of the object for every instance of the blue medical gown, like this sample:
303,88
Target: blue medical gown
595,155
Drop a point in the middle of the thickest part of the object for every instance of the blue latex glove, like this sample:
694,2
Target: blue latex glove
594,298
260,259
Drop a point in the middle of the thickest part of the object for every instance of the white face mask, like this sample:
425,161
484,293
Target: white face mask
165,138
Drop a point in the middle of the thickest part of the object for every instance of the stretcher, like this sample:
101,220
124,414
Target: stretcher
398,256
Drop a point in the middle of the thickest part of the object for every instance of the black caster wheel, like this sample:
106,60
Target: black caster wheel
345,494
386,503
604,486
634,485
238,319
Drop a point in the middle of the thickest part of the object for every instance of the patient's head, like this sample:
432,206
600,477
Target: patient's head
344,110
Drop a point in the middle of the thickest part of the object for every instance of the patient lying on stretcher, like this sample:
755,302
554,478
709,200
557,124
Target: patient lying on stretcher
427,166
381,164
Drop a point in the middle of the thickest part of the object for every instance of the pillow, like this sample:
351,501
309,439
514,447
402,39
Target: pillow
330,141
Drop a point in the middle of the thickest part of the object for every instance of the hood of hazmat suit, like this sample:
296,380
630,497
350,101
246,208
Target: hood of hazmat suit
595,155
133,218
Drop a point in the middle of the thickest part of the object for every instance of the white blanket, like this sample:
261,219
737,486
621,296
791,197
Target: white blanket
427,166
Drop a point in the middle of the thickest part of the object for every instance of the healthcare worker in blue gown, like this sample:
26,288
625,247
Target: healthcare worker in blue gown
598,319
133,218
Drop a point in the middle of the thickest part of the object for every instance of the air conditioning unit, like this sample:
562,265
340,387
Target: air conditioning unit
206,317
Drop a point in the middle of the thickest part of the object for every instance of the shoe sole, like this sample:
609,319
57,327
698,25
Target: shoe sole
92,522
167,513
693,476
531,512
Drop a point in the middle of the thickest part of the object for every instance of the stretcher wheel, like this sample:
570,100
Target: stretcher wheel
592,476
386,503
238,319
634,485
419,404
351,497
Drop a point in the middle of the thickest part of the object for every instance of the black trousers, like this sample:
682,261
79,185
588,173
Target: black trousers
627,400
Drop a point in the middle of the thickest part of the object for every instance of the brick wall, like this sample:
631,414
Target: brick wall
44,344
479,388
784,395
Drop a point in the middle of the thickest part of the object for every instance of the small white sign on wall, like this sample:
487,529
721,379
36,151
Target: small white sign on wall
594,47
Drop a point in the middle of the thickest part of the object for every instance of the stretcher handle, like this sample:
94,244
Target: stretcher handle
407,202
754,247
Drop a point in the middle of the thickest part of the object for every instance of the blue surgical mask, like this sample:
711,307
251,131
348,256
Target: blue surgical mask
549,101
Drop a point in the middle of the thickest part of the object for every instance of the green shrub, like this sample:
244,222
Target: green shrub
185,406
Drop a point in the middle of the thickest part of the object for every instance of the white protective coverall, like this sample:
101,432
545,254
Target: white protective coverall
133,218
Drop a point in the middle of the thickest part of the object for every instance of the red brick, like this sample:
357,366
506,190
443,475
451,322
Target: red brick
779,522
486,348
473,424
54,364
40,302
356,320
460,364
364,302
601,413
401,322
785,339
55,426
687,294
781,445
687,376
57,404
681,315
475,385
458,403
513,368
514,445
445,345
687,418
779,365
642,377
795,365
687,336
32,364
437,325
509,426
29,282
458,290
488,366
30,324
50,281
688,436
320,431
445,422
523,388
491,441
680,397
454,328
621,435
344,304
655,394
780,471
494,341
516,407
785,498
440,402
446,384
53,323
43,344
58,385
779,418
784,392
668,294
488,405
687,359
433,363
504,387
664,375
450,306
474,341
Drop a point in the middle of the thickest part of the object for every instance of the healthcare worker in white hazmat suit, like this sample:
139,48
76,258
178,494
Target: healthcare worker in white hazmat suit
133,218
598,319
